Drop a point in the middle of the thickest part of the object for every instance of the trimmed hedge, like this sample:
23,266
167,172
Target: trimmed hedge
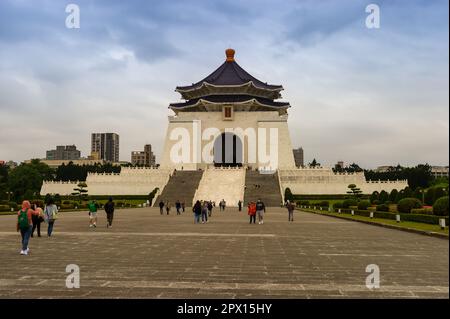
423,211
406,204
419,218
4,208
338,205
326,197
324,203
363,205
440,207
349,202
382,208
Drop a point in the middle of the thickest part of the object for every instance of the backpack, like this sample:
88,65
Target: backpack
23,219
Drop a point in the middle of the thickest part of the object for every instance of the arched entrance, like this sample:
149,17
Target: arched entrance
228,150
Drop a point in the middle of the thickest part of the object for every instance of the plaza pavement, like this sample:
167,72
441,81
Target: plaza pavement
146,255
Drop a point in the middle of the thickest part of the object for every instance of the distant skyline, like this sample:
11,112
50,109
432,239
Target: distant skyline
370,96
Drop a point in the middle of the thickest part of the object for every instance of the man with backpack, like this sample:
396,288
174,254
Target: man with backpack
109,209
25,225
260,210
92,206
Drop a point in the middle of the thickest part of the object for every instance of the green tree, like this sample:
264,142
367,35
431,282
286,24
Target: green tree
400,196
314,163
26,179
4,170
81,190
288,194
429,196
393,195
384,197
375,196
354,190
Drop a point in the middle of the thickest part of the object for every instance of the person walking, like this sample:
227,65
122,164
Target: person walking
197,209
178,207
50,215
161,207
109,209
167,208
24,225
240,205
260,210
92,206
251,208
290,207
183,206
205,212
37,219
210,208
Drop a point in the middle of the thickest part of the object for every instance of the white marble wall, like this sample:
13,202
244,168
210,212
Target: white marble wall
243,120
322,181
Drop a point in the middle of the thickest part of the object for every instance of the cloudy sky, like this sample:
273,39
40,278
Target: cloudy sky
370,96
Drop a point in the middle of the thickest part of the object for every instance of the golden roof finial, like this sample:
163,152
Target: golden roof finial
230,55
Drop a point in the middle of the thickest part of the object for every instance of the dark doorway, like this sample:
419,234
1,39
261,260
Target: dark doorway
227,150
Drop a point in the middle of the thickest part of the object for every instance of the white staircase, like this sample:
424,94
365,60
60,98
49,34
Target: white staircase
222,183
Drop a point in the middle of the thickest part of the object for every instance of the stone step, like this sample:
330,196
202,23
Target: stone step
181,186
268,189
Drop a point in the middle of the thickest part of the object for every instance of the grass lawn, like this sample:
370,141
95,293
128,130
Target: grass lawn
404,224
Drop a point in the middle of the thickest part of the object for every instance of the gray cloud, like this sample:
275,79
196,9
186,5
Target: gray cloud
373,97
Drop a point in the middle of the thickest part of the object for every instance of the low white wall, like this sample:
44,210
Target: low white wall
323,181
130,181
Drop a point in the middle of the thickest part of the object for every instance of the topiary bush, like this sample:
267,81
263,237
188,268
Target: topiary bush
303,202
424,211
406,204
338,205
440,207
349,202
324,203
376,202
382,208
363,205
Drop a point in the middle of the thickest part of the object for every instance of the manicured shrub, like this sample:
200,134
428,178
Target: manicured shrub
324,203
424,211
429,196
406,204
288,194
382,208
374,197
349,202
376,202
420,218
4,208
67,206
363,205
438,193
338,205
393,196
384,196
440,207
13,205
303,202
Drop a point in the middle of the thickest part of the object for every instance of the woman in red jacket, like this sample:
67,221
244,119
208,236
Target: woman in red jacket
252,212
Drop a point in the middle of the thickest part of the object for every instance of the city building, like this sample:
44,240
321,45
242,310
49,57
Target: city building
439,171
105,146
298,157
68,152
143,158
